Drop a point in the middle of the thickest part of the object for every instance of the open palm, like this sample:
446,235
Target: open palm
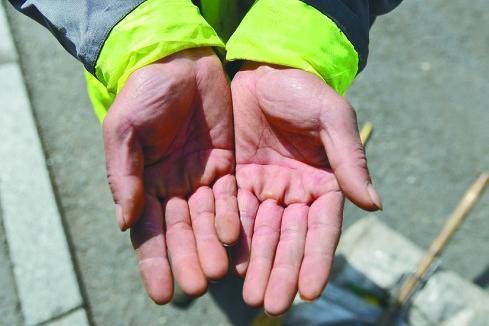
170,161
297,154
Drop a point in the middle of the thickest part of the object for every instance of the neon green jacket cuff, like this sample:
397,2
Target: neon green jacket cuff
154,30
294,34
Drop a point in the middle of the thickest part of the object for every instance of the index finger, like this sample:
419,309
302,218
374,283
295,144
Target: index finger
323,233
282,286
148,240
227,217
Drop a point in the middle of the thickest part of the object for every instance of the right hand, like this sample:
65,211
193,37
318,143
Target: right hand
170,162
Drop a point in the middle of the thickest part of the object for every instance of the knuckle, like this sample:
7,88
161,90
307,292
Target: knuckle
325,257
265,231
179,227
290,233
358,156
246,215
203,217
356,159
326,228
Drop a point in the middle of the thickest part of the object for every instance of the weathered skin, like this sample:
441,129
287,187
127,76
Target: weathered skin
170,161
297,152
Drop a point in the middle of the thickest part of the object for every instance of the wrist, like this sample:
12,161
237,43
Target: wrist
313,42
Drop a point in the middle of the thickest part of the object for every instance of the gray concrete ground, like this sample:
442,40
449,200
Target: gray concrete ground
9,300
425,90
45,283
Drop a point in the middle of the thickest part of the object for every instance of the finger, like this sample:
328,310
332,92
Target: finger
125,164
283,283
182,248
227,218
149,242
212,256
240,253
266,234
323,233
347,156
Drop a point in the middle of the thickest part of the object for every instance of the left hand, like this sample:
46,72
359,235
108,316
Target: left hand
297,153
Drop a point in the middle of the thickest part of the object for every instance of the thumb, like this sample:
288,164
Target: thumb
346,155
125,164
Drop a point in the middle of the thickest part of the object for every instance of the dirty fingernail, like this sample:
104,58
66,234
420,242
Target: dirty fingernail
375,197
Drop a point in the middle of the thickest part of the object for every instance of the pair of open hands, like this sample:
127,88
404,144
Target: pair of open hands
262,165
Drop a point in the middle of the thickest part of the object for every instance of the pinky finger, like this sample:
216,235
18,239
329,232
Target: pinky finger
240,253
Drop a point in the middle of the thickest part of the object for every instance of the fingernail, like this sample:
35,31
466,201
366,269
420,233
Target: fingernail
375,197
273,316
120,217
307,300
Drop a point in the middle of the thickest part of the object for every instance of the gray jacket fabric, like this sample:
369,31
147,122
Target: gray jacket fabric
354,18
82,26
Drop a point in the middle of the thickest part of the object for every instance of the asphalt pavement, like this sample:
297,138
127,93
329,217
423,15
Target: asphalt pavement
424,88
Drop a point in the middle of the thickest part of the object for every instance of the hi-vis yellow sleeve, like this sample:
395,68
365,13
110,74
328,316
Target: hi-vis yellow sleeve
294,34
152,31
